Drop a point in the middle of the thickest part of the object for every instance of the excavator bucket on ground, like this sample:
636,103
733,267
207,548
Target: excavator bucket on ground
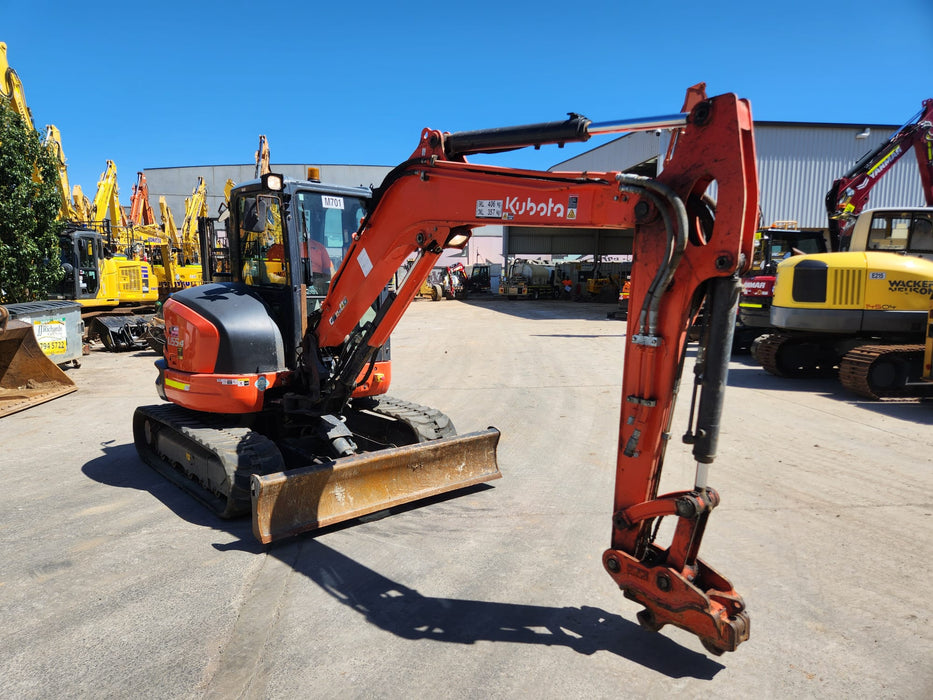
27,376
299,500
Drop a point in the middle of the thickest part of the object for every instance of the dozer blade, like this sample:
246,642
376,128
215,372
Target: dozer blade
308,498
27,376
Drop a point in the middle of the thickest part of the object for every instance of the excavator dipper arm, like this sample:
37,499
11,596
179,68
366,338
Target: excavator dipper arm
687,250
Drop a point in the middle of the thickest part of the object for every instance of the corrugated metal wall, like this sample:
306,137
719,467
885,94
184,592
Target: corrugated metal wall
620,154
797,164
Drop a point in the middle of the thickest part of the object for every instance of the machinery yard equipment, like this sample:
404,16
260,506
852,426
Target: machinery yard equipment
28,376
862,310
277,376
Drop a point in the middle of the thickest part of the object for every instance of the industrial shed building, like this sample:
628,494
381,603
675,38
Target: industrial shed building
797,164
176,184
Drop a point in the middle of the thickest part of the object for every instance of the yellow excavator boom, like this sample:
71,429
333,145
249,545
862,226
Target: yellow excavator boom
11,89
195,207
53,141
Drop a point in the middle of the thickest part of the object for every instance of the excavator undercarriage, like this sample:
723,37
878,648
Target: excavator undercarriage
865,367
301,482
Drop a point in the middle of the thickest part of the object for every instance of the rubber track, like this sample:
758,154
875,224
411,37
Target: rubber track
239,450
855,369
243,451
428,423
766,351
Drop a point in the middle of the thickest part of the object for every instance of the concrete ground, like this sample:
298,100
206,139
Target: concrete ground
113,583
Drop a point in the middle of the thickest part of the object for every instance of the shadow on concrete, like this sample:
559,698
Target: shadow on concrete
121,467
746,373
408,614
403,611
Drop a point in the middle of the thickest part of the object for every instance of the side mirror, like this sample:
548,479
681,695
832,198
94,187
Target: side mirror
254,218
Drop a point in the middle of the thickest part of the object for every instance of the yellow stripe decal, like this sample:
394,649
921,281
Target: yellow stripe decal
177,385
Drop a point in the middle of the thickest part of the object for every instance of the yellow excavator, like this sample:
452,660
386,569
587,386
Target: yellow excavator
864,312
95,277
101,272
173,266
27,376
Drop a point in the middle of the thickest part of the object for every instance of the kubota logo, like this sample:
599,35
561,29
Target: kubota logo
528,206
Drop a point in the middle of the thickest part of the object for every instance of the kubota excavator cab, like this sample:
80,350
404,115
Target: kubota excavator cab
239,346
286,237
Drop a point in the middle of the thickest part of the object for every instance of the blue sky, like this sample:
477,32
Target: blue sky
171,84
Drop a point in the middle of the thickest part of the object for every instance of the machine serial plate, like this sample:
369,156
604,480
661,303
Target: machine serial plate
488,208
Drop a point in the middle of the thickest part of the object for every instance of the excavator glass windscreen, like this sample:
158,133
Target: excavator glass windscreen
907,231
778,245
262,242
326,224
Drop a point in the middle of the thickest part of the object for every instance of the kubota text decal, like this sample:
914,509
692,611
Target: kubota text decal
511,207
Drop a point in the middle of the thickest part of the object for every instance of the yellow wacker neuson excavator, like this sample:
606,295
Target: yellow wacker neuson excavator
863,309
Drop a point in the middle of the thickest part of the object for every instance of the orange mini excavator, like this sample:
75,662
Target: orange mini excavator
276,377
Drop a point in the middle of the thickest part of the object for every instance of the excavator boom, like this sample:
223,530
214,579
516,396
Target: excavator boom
11,89
686,249
299,354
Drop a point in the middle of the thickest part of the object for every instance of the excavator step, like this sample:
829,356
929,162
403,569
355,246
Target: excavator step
300,500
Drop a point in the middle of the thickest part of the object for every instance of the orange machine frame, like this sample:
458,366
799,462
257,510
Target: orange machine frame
433,200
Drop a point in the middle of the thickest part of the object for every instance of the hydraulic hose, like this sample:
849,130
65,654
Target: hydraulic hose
670,206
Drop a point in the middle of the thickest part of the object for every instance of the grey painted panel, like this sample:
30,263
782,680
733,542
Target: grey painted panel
566,241
619,154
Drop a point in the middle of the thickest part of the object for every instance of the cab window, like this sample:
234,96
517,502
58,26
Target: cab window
326,224
921,234
262,242
889,232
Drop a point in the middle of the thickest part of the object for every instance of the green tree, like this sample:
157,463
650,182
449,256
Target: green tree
29,226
